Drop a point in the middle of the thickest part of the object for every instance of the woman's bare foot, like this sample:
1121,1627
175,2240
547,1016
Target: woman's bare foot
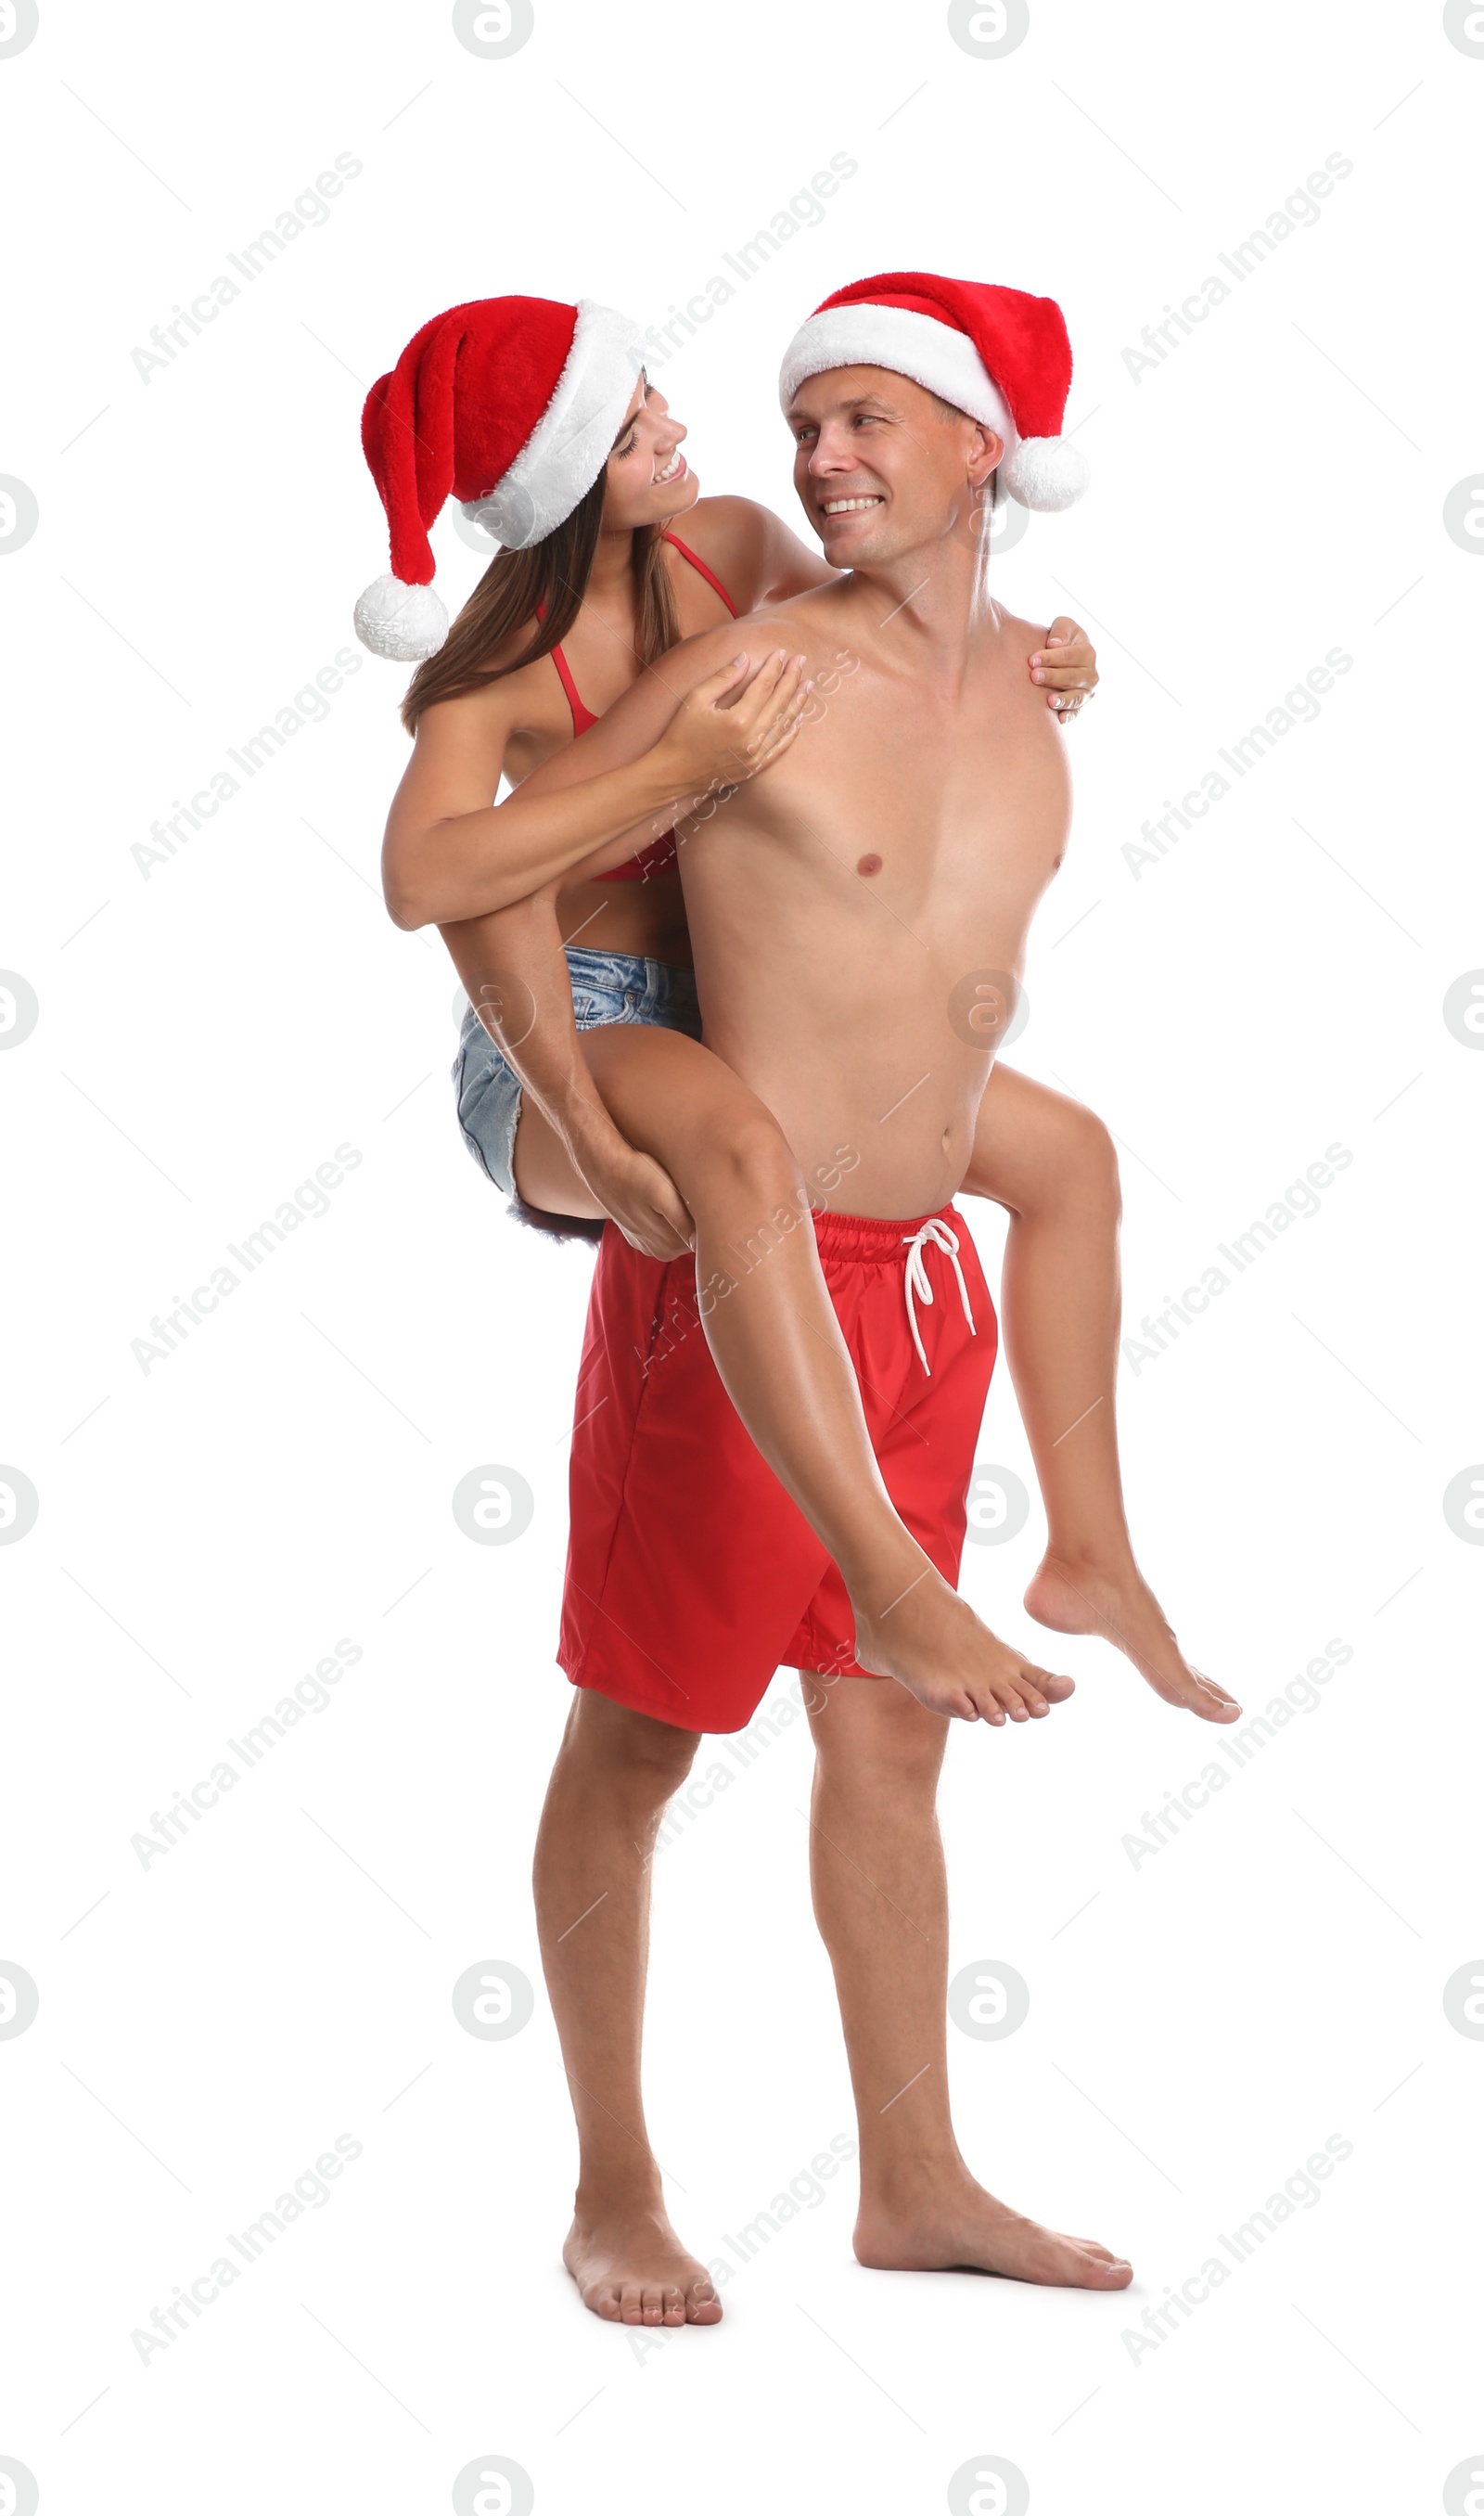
630,2268
955,2225
933,1643
1079,1598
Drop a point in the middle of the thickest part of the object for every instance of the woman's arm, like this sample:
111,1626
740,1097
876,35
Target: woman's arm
451,854
1067,667
760,562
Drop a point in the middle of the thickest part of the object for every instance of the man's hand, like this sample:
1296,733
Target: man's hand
730,728
1068,667
642,1198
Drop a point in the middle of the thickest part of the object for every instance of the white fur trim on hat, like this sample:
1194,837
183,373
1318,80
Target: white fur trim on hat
935,355
573,437
1047,472
405,623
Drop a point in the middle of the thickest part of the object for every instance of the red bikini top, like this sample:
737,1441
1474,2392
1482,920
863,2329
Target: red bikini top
660,857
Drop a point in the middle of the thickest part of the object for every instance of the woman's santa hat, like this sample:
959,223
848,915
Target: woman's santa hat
512,404
1002,356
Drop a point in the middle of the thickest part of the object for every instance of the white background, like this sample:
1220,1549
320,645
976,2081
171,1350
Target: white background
212,1028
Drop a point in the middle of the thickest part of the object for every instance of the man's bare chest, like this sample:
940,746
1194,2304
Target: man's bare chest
911,794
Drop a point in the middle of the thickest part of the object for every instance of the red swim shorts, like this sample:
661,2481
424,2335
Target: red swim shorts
692,1576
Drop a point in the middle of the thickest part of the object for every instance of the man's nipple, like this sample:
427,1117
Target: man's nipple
868,865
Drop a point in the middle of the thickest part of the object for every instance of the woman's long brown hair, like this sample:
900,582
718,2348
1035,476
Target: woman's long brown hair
541,589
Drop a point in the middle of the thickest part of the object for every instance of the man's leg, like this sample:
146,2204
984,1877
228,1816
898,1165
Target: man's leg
614,1772
1052,1164
880,1900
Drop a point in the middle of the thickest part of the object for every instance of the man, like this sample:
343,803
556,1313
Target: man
858,918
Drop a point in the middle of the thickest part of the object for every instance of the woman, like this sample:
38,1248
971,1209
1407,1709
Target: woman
590,589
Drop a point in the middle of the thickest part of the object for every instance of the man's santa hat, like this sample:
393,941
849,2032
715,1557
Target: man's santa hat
511,403
1002,356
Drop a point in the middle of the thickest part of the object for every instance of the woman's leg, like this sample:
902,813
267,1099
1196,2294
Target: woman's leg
518,976
709,1142
1051,1164
546,1176
777,1344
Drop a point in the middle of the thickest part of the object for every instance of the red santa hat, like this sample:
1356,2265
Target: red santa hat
1002,356
511,403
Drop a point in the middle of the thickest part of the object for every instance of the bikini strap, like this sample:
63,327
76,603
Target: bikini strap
582,714
701,568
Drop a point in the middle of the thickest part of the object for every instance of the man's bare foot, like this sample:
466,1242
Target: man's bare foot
933,1643
1125,1611
957,2226
631,2268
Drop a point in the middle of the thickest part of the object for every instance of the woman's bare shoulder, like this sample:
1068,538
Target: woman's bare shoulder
526,700
714,521
756,556
734,536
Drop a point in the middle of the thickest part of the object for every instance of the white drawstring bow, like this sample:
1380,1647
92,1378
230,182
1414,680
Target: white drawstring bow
933,1235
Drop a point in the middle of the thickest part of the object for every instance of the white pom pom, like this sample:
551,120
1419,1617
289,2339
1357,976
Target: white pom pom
1046,473
403,622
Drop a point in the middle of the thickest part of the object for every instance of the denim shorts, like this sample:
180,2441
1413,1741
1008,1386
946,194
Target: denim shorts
606,987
